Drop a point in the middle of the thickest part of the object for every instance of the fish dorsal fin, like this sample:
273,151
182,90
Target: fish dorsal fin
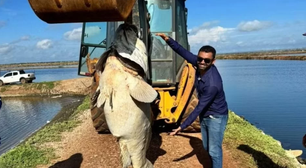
140,90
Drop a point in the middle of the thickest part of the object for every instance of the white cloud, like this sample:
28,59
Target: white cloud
25,38
74,34
44,44
92,30
240,43
227,39
4,49
25,49
253,25
206,36
205,25
215,36
20,40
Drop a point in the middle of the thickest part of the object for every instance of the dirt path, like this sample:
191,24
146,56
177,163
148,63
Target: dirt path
84,148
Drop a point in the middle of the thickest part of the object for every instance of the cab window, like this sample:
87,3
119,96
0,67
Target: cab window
161,21
93,44
94,33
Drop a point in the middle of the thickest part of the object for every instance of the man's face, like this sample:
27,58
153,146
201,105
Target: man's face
205,60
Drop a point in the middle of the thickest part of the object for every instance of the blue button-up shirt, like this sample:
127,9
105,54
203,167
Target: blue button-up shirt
209,88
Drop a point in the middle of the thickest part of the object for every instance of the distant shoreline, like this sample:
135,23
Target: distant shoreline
263,57
297,54
39,65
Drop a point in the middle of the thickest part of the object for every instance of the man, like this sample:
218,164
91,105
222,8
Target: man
212,106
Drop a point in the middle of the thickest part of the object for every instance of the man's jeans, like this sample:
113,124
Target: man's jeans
212,129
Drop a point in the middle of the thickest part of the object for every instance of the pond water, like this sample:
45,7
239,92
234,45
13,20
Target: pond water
270,94
20,117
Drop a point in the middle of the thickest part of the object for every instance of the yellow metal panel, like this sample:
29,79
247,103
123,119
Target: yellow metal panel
186,94
182,85
165,105
167,102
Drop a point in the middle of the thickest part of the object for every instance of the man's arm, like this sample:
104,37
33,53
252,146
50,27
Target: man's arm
204,102
187,55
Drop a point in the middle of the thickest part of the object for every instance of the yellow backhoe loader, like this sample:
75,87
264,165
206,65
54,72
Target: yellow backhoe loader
169,74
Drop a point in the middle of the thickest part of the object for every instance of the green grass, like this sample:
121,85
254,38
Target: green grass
25,156
30,153
52,132
85,105
3,89
42,85
252,147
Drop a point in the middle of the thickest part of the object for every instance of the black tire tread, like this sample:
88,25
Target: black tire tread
192,103
97,114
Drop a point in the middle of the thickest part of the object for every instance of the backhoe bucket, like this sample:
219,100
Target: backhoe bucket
71,11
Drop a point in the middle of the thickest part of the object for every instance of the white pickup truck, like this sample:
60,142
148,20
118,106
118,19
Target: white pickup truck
17,76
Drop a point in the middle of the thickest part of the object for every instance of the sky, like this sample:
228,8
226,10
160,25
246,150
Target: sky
229,26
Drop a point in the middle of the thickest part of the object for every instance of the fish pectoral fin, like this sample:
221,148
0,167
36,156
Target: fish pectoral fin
141,90
101,91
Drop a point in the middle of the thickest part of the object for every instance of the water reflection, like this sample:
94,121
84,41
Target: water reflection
269,94
20,117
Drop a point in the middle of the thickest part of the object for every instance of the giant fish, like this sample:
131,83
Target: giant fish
125,96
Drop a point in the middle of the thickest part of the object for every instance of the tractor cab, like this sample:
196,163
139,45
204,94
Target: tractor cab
169,74
163,16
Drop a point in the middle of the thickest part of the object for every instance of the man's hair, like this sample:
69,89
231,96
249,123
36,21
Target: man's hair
208,49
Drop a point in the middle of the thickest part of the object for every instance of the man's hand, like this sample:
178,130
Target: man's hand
175,131
163,36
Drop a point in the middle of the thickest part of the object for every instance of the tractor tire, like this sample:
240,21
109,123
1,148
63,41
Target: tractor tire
192,103
1,83
23,81
97,114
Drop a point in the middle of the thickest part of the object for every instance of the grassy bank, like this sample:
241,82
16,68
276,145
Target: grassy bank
247,145
77,86
32,153
253,148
